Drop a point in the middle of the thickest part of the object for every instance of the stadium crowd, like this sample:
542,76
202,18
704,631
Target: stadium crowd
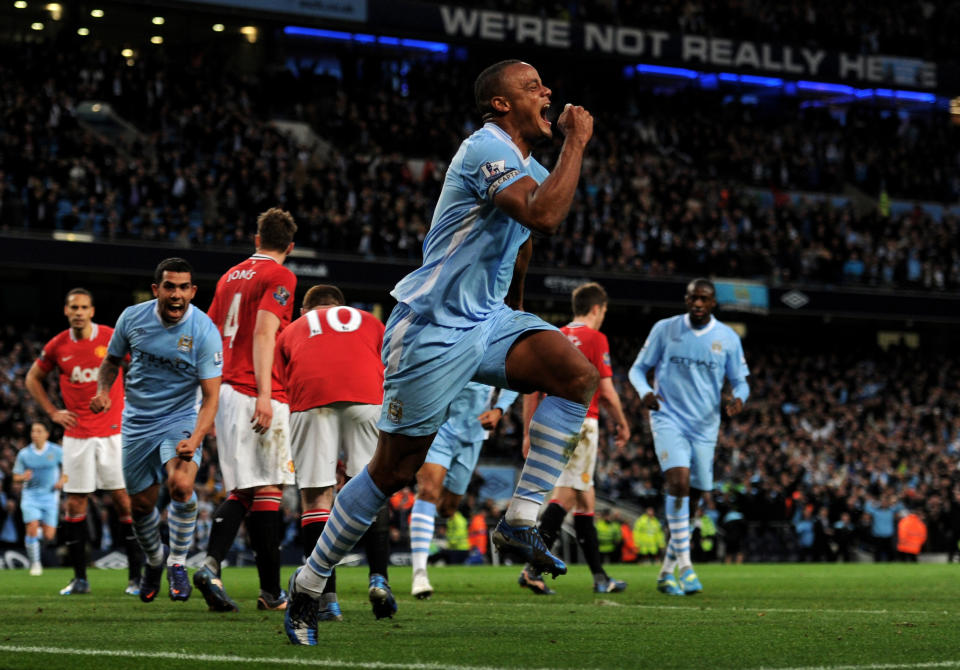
665,192
839,434
918,27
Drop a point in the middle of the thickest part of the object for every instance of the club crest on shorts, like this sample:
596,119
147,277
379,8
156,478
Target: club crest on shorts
395,410
185,344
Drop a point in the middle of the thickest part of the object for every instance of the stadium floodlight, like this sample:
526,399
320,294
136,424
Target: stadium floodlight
158,20
770,82
55,9
218,27
96,13
251,33
665,71
709,80
83,32
365,38
156,39
20,4
127,53
825,87
36,26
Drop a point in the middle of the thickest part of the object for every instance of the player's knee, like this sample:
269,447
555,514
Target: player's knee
428,490
140,507
448,506
76,504
181,489
583,384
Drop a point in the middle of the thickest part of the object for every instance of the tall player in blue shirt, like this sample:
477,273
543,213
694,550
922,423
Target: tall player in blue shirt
691,355
175,356
452,326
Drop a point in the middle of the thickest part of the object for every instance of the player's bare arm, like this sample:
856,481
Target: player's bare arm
611,402
34,383
543,207
109,370
734,406
491,418
209,398
25,477
514,299
264,343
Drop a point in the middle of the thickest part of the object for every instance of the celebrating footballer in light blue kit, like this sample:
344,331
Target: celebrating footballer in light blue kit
172,387
691,354
166,363
452,325
443,479
37,468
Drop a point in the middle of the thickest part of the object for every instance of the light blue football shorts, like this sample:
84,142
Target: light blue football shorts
145,456
427,365
458,457
44,508
675,449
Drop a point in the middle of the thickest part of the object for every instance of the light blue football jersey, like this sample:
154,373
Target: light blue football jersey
44,465
470,250
166,365
690,368
470,403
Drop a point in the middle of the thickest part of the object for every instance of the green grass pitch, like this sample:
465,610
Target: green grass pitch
750,616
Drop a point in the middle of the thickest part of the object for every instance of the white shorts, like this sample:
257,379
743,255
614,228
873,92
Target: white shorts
578,474
319,434
92,463
248,459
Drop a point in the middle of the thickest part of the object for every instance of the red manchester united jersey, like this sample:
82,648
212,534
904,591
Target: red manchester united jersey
594,346
258,283
79,365
332,355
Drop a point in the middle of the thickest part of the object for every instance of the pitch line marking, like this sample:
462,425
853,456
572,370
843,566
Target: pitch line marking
212,658
770,610
875,666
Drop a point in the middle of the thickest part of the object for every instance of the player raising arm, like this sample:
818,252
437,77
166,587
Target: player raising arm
452,326
175,352
691,355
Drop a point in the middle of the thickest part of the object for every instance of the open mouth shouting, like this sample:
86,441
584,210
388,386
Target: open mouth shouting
544,111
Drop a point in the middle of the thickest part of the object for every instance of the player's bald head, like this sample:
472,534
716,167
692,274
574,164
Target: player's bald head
490,83
701,283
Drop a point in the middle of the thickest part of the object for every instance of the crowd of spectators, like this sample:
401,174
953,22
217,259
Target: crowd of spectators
919,28
664,189
854,437
844,438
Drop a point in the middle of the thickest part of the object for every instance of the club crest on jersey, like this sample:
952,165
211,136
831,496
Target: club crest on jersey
185,344
493,169
395,410
100,351
281,295
716,347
